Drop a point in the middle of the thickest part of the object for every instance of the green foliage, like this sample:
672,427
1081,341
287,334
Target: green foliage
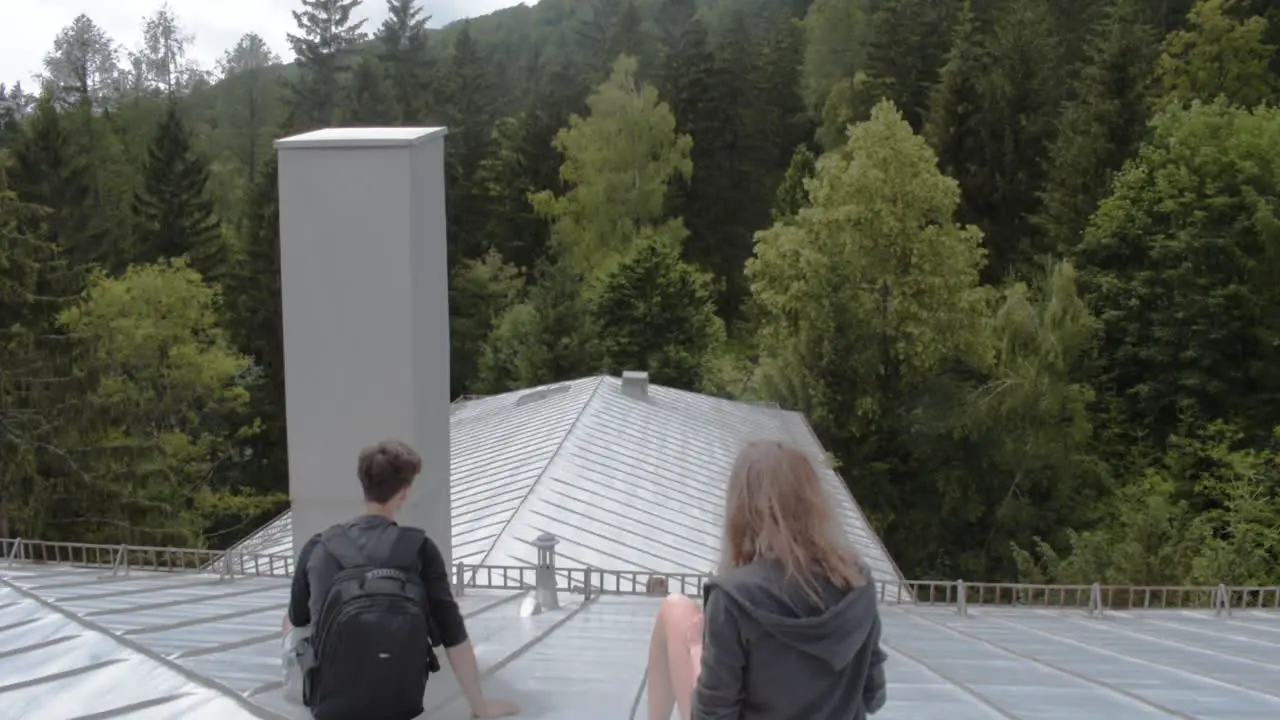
47,171
159,379
954,126
873,277
655,312
1020,96
23,425
909,43
403,37
838,39
617,163
1182,268
1102,126
542,339
480,291
1155,536
793,193
325,31
173,211
1218,55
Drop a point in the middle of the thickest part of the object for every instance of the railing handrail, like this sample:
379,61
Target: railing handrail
961,594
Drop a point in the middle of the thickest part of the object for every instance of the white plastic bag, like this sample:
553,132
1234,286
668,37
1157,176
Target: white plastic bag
296,644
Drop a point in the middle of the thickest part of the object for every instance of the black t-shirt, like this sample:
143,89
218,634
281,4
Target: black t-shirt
445,615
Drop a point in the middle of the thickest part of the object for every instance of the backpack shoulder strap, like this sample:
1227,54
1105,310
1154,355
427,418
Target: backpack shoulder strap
338,542
405,549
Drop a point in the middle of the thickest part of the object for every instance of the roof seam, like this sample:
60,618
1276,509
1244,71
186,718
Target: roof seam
497,537
514,655
196,678
1110,687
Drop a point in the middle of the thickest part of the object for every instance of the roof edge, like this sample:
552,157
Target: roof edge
844,486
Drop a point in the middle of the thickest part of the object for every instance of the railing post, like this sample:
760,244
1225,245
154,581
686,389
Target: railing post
962,598
16,552
1095,600
226,561
459,580
1222,601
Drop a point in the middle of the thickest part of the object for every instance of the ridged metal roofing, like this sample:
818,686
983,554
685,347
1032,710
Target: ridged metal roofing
185,645
625,483
54,664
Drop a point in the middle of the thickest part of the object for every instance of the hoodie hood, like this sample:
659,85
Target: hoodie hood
832,631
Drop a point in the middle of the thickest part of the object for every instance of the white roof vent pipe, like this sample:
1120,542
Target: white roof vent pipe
635,383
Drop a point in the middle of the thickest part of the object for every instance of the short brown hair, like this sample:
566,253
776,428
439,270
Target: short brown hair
387,468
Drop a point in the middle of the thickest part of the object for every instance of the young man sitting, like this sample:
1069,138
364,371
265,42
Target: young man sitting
378,595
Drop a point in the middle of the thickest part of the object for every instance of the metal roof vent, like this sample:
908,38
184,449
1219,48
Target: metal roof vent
544,590
635,383
543,394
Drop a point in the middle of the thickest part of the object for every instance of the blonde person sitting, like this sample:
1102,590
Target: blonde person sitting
789,628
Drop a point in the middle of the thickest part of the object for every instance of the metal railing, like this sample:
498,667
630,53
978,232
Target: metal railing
122,559
589,582
1094,599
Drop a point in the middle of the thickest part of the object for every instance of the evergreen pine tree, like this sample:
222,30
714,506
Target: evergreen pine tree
657,312
371,103
907,51
46,171
627,37
672,19
955,124
1102,126
173,211
403,36
1021,95
793,192
326,35
593,39
687,81
468,110
253,293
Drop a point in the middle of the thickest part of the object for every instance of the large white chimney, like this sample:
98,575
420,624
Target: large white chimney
364,279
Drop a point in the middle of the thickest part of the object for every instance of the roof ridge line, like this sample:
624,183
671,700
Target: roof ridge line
130,644
599,380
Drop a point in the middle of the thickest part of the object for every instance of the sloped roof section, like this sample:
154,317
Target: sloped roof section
625,482
54,664
638,484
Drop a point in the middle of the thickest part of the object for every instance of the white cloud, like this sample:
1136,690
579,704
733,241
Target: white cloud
28,27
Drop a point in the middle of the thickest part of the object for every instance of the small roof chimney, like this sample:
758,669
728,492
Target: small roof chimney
635,383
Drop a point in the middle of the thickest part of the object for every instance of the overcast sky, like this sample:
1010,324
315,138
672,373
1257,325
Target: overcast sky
28,27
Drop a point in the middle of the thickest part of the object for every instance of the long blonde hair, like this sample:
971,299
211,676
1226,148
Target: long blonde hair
776,508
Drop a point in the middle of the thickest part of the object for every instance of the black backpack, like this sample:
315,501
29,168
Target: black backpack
372,638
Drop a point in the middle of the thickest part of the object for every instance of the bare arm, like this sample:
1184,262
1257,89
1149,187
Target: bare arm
462,658
448,619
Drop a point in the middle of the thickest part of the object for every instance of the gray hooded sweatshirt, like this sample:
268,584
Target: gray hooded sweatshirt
771,653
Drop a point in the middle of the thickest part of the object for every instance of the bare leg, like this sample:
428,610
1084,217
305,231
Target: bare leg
675,653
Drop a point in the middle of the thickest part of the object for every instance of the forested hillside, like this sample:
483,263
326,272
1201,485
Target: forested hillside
1017,260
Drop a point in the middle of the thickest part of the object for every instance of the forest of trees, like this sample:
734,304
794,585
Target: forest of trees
1018,261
